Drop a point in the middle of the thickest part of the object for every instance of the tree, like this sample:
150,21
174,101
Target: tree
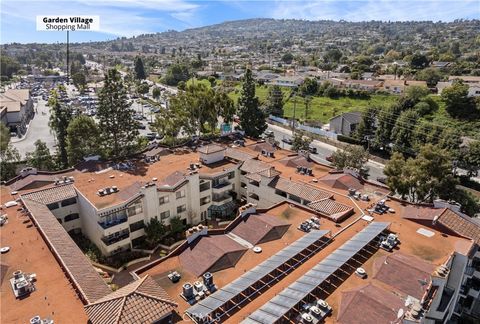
402,133
309,87
419,61
287,58
82,139
300,142
471,159
224,106
40,158
60,116
457,102
79,80
252,118
333,55
176,225
274,102
386,120
175,74
142,88
430,75
155,230
117,126
9,155
139,69
416,93
212,81
352,156
366,127
156,92
4,138
172,120
423,178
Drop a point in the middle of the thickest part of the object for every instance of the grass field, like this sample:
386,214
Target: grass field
321,108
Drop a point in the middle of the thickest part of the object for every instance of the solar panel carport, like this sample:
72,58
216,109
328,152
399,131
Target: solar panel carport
276,310
240,291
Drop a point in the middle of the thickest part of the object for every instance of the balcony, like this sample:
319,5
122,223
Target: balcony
218,200
111,223
115,239
223,186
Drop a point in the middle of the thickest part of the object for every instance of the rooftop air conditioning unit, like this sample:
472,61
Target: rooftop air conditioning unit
114,189
315,310
307,318
101,192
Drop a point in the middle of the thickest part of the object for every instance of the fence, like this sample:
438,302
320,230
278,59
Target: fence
314,130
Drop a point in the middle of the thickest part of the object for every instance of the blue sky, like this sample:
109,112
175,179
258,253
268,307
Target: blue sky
134,17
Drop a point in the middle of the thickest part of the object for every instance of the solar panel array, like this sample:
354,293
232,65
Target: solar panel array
210,306
274,310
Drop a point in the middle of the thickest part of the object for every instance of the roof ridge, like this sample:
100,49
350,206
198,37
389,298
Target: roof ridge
120,309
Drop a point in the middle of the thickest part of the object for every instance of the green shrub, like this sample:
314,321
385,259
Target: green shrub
347,139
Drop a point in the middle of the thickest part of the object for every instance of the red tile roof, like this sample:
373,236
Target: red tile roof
51,195
369,304
331,208
260,228
87,281
142,301
460,224
238,155
212,148
341,181
414,212
211,253
298,160
301,190
405,273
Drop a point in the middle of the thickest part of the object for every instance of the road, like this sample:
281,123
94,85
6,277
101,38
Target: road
324,150
38,129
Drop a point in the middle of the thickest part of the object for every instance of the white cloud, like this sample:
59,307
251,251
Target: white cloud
364,10
120,17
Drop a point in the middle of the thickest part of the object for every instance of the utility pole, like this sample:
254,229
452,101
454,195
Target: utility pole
294,109
68,57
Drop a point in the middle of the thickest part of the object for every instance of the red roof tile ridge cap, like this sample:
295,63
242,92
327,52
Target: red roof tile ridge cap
120,310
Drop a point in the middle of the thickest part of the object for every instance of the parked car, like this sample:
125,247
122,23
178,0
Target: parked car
141,126
269,133
329,158
287,140
382,180
312,149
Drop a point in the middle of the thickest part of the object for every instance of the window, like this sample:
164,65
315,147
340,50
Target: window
231,175
165,215
135,209
52,206
163,200
243,185
181,209
137,226
281,193
180,194
69,201
205,186
203,216
72,217
204,200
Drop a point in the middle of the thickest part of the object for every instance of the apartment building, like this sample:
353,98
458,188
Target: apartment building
112,206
